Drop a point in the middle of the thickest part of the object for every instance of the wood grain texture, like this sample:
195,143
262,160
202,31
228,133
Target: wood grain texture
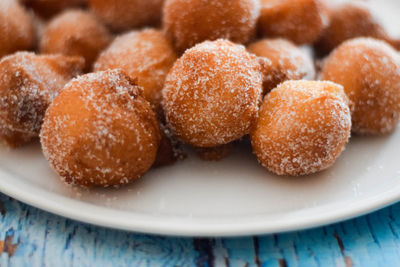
31,237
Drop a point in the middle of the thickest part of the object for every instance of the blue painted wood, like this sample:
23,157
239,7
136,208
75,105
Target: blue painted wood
31,237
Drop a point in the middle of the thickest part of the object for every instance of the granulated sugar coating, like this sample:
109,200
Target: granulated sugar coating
16,28
302,128
49,8
28,84
100,131
188,22
146,56
369,70
288,62
212,93
300,21
347,21
122,15
75,33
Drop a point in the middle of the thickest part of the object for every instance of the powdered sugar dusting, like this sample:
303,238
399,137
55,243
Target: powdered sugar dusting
212,93
302,128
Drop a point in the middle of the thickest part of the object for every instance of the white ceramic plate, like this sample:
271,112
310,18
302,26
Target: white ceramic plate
232,197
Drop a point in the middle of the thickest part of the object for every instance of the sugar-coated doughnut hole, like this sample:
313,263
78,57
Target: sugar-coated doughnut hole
302,127
347,21
100,131
49,8
287,62
369,70
75,33
16,28
300,21
212,93
122,15
146,56
28,84
188,22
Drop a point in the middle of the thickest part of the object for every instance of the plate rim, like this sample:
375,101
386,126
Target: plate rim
148,224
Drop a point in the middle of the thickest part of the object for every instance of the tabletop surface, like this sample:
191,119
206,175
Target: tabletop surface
32,237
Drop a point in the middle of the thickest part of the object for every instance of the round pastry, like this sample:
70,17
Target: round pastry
347,21
302,127
122,15
100,131
75,33
48,8
28,84
288,62
369,70
146,56
16,28
188,22
212,93
300,21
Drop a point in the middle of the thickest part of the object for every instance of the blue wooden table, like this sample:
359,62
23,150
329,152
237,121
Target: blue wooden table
31,237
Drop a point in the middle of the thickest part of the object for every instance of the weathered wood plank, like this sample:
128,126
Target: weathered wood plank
31,237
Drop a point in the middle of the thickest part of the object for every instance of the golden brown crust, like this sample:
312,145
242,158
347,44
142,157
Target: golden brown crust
188,22
302,127
17,30
212,93
347,21
28,84
300,21
286,62
49,8
100,131
146,56
75,33
122,15
369,71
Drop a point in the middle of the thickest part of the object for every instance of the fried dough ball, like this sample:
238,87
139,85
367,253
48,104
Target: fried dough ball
369,70
347,21
16,28
100,131
212,93
300,21
122,15
75,33
288,62
146,56
28,84
302,127
48,8
188,22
